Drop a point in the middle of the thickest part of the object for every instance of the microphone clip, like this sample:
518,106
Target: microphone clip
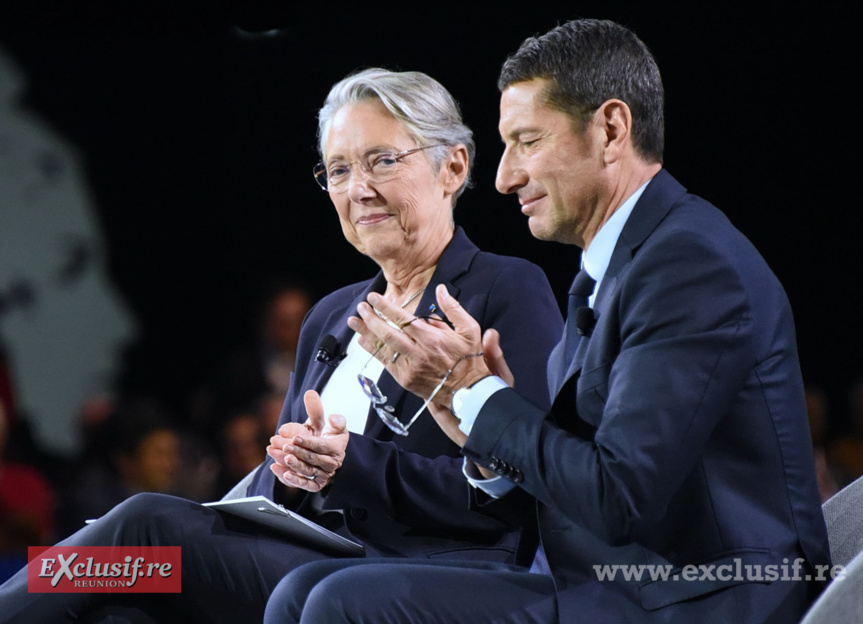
585,320
328,352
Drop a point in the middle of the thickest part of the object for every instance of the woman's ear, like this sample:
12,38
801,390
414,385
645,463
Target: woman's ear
454,169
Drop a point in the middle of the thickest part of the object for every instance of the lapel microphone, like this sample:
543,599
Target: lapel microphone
584,321
328,351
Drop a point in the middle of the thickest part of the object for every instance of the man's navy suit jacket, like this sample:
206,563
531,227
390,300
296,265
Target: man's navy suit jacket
407,496
688,444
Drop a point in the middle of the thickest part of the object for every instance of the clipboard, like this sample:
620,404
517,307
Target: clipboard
261,510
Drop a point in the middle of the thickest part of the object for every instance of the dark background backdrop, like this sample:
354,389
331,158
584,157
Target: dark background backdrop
196,121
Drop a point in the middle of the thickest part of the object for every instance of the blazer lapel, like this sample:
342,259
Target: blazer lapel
337,325
570,369
320,372
652,207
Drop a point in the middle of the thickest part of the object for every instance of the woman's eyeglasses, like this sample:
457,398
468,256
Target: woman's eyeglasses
379,400
377,165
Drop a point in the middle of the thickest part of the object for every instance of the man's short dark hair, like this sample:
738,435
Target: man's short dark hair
588,62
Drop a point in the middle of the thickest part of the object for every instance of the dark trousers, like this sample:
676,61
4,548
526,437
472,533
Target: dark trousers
386,591
228,568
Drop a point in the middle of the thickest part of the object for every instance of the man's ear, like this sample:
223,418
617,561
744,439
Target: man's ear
615,121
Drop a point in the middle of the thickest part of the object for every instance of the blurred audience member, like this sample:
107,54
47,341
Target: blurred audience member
270,410
260,366
137,449
243,436
96,409
243,440
845,451
283,314
200,467
26,499
818,409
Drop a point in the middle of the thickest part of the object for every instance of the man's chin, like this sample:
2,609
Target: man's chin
539,230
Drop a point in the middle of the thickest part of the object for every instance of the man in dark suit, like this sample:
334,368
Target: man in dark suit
673,477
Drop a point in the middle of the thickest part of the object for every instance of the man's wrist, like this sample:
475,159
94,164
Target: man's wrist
445,396
470,400
459,395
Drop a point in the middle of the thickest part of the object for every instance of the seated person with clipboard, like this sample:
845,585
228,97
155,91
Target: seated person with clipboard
355,454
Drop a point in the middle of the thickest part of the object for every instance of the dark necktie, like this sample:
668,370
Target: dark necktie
560,362
579,317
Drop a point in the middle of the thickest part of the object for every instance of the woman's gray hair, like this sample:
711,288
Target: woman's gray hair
428,111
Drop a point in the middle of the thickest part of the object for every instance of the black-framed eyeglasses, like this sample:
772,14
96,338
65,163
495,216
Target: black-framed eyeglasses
378,165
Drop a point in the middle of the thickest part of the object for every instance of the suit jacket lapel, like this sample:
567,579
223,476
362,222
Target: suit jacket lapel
652,207
571,368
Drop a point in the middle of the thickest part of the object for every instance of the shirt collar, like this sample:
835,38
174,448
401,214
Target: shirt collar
597,256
